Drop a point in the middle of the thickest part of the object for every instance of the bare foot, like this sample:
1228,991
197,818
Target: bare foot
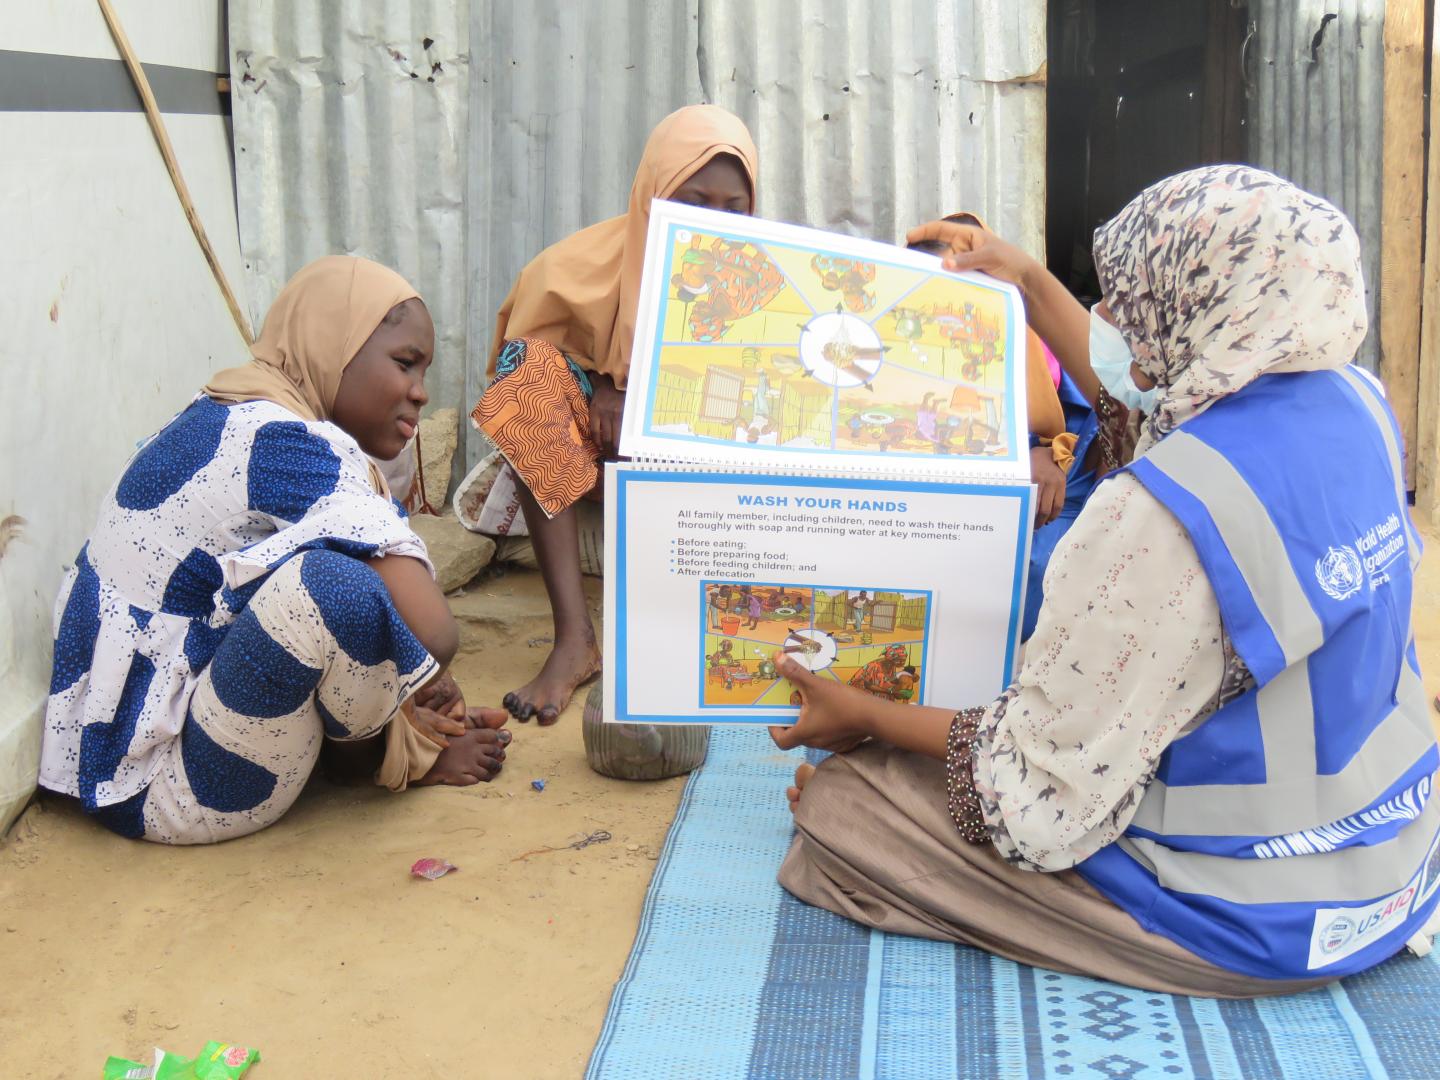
471,758
574,661
802,777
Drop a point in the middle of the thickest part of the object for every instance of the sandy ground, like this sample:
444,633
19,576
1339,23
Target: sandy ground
311,941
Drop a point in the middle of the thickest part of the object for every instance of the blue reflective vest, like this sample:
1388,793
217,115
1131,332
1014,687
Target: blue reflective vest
1294,833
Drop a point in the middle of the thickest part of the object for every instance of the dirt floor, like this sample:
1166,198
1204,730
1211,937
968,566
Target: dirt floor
311,941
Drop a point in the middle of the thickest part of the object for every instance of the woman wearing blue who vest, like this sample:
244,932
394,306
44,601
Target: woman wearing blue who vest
1214,774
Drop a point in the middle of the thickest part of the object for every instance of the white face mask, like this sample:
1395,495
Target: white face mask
1110,358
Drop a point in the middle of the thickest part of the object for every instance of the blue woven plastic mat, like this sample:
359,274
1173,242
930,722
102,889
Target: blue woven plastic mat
732,977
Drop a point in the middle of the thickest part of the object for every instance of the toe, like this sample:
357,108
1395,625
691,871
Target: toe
548,715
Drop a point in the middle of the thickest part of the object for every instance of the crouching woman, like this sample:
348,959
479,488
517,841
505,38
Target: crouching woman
251,593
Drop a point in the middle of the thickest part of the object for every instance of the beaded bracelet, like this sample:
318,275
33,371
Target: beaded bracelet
964,801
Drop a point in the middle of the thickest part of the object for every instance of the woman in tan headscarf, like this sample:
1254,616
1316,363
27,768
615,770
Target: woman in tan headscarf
250,587
559,363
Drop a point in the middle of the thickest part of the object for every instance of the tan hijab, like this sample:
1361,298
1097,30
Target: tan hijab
580,294
312,331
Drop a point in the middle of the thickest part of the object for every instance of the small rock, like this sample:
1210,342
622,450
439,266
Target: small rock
632,847
458,554
438,435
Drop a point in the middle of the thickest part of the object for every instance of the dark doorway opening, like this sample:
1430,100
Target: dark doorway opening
1138,90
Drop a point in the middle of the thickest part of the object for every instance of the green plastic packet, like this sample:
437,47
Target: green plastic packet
218,1061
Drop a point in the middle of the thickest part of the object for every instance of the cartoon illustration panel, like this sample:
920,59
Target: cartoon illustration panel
871,638
778,346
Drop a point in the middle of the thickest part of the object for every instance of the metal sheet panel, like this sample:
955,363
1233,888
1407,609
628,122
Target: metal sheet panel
563,97
350,129
869,118
1316,75
113,320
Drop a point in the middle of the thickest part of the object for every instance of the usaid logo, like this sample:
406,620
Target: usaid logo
1339,572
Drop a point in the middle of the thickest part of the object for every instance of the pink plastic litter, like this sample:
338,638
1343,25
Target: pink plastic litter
430,869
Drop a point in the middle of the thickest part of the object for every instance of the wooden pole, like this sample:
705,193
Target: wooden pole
1425,450
1402,213
162,139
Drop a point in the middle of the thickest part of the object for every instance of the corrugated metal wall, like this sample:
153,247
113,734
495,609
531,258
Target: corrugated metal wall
350,127
872,117
869,117
112,318
351,130
562,98
1316,74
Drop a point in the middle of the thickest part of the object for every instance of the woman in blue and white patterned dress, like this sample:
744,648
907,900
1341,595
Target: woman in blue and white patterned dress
250,591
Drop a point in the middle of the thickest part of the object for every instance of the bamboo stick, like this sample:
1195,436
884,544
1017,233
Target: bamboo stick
162,139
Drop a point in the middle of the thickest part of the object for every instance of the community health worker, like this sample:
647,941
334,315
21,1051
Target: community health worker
1215,772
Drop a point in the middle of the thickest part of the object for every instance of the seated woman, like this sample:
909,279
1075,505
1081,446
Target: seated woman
251,593
559,364
1214,773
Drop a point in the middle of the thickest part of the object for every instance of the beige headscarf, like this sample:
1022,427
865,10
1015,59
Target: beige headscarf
1222,274
580,294
312,331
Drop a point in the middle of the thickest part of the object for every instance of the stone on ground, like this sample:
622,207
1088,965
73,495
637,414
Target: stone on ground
438,436
458,553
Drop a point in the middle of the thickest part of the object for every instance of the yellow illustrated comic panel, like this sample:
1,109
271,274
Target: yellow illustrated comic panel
723,289
940,386
745,394
951,329
913,414
775,346
830,282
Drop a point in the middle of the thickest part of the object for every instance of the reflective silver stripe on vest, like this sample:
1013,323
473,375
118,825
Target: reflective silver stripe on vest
1291,800
1380,413
1250,535
1294,797
1347,875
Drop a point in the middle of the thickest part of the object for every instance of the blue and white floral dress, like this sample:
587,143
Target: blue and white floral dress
220,621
